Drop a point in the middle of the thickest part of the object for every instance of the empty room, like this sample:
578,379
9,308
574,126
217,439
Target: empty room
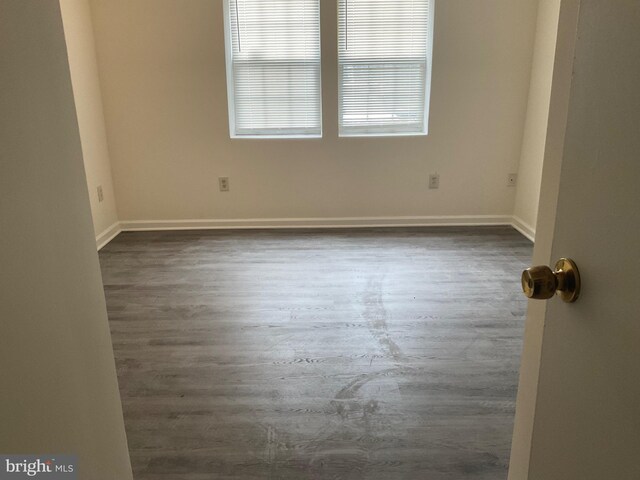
319,239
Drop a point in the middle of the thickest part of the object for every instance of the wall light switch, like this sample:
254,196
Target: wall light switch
100,194
512,179
223,182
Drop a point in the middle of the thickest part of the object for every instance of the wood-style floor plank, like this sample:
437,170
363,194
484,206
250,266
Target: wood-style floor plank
313,354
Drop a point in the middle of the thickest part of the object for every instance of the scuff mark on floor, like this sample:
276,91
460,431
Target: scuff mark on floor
376,316
350,390
271,447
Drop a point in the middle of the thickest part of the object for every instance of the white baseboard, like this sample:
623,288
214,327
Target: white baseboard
107,235
339,222
524,228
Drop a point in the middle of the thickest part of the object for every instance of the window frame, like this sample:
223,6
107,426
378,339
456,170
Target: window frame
231,90
365,131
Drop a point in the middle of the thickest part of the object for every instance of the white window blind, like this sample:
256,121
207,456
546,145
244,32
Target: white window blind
273,67
384,52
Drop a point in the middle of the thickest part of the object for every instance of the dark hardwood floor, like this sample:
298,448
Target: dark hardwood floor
306,354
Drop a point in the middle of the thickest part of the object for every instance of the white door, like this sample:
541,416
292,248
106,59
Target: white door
578,412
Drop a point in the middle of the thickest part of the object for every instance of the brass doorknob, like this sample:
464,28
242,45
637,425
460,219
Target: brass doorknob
542,283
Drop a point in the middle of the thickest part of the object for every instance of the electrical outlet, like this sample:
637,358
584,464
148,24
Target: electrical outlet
434,181
223,182
100,194
512,179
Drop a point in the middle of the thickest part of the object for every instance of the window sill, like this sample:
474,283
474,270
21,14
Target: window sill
275,137
404,134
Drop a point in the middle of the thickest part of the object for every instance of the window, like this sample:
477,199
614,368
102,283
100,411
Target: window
384,56
273,67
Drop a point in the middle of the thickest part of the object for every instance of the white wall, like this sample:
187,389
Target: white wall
162,69
78,29
59,392
535,131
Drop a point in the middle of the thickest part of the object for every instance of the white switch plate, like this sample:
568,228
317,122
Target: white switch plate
512,179
100,194
223,182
